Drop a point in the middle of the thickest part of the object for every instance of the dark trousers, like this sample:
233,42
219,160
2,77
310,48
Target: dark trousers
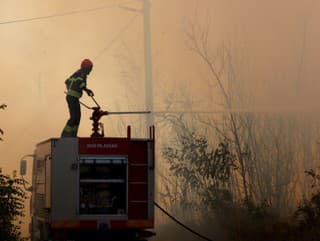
71,128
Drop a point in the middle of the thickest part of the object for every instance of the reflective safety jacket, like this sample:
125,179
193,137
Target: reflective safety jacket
76,83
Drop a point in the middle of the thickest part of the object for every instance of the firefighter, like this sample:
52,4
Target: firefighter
75,84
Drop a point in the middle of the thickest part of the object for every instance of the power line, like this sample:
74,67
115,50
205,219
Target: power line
56,15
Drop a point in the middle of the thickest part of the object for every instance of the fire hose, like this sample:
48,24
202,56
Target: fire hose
98,113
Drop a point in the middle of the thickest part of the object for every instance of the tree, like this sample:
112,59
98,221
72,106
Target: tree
270,148
308,212
204,172
12,197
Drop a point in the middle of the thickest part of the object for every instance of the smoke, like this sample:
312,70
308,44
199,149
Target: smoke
275,44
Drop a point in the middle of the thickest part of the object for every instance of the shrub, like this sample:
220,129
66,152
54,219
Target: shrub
12,197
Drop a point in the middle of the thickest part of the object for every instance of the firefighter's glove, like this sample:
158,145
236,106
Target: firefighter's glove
90,93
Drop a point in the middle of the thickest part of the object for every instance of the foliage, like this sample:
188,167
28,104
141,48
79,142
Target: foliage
3,106
207,172
257,210
203,170
12,198
308,211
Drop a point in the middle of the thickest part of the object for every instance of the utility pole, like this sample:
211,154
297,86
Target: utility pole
148,62
147,57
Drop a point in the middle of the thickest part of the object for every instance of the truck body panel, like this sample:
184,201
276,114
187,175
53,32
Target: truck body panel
64,179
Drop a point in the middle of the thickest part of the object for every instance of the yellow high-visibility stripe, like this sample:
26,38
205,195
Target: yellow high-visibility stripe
73,79
68,128
82,85
74,93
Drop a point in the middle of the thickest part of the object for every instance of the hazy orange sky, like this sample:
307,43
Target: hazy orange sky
275,39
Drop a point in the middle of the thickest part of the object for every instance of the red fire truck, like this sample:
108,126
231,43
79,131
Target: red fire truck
95,188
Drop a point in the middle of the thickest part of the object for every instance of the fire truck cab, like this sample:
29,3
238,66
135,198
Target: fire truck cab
93,188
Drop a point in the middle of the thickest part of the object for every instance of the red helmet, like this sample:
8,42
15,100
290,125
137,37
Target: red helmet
86,64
